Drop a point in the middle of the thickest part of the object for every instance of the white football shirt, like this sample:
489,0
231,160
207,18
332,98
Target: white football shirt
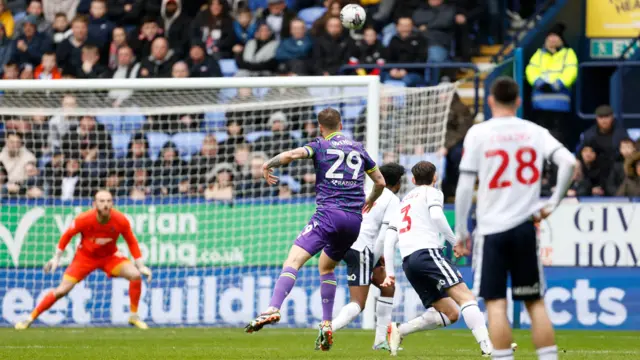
415,228
383,211
508,155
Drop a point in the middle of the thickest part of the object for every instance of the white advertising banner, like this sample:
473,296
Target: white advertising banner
592,234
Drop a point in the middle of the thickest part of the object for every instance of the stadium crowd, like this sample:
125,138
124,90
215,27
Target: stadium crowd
66,157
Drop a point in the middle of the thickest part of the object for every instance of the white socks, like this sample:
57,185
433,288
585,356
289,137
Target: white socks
504,354
345,316
548,353
431,319
475,321
384,308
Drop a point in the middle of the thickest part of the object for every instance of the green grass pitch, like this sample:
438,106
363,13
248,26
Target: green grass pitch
211,343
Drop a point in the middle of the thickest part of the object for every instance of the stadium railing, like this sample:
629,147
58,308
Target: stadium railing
431,69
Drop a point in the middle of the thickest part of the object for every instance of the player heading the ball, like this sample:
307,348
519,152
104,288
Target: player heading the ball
340,165
100,228
507,154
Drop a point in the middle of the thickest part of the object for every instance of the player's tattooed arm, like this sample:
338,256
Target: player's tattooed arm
279,160
378,188
275,161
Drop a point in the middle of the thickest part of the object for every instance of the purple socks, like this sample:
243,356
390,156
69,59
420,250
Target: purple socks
284,285
328,287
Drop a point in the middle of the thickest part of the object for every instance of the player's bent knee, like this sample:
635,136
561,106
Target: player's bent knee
63,289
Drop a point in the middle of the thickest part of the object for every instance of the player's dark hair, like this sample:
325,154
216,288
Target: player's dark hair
423,172
330,119
505,91
392,173
13,133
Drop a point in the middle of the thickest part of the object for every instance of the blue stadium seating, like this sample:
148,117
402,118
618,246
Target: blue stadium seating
228,67
111,122
397,83
310,15
132,123
634,134
221,136
293,184
296,134
227,94
214,121
352,111
257,4
253,136
156,141
120,143
260,92
188,143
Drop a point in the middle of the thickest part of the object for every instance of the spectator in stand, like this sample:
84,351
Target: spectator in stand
137,156
436,20
127,68
125,12
6,18
141,39
176,26
333,10
119,39
26,73
241,158
244,26
468,14
161,60
332,49
53,173
69,52
203,162
60,125
202,65
631,184
84,7
94,164
168,171
33,186
14,157
284,191
91,67
180,70
71,184
278,17
252,183
220,183
593,177
30,46
115,183
258,56
3,181
38,143
6,49
100,28
48,68
35,10
279,140
390,11
235,138
617,174
606,135
295,50
459,122
141,185
88,132
52,8
369,50
61,29
10,71
552,71
406,47
214,28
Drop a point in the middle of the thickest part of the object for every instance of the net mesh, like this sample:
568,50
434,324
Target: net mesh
185,167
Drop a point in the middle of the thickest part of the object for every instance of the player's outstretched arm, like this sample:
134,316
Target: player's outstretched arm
441,223
284,158
390,242
378,188
65,239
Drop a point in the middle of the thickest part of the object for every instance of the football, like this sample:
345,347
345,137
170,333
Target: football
353,16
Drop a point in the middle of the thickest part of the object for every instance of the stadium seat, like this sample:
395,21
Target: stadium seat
352,111
634,134
221,136
253,136
214,121
227,94
188,143
111,122
293,184
120,143
19,16
296,134
132,123
228,67
310,15
156,141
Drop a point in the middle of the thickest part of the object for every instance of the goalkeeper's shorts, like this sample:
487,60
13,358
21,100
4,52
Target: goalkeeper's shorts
83,265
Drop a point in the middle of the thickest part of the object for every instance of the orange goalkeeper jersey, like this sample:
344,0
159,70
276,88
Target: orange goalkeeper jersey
99,240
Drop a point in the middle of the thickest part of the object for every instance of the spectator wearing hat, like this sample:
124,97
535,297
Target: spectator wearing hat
100,27
606,134
258,56
278,17
214,29
631,184
200,64
279,140
125,12
30,46
141,39
69,52
160,63
6,18
244,26
42,25
295,50
6,49
552,71
175,24
332,49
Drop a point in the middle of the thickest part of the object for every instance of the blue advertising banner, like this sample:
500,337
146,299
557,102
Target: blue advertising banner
577,298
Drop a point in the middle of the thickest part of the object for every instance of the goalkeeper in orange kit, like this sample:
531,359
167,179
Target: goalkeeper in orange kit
100,228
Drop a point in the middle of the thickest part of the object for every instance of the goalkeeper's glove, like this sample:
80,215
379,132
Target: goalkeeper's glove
144,270
52,264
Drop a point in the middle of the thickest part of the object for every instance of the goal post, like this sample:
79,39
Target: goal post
183,158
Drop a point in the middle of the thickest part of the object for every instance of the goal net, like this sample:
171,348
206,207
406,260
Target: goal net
183,159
